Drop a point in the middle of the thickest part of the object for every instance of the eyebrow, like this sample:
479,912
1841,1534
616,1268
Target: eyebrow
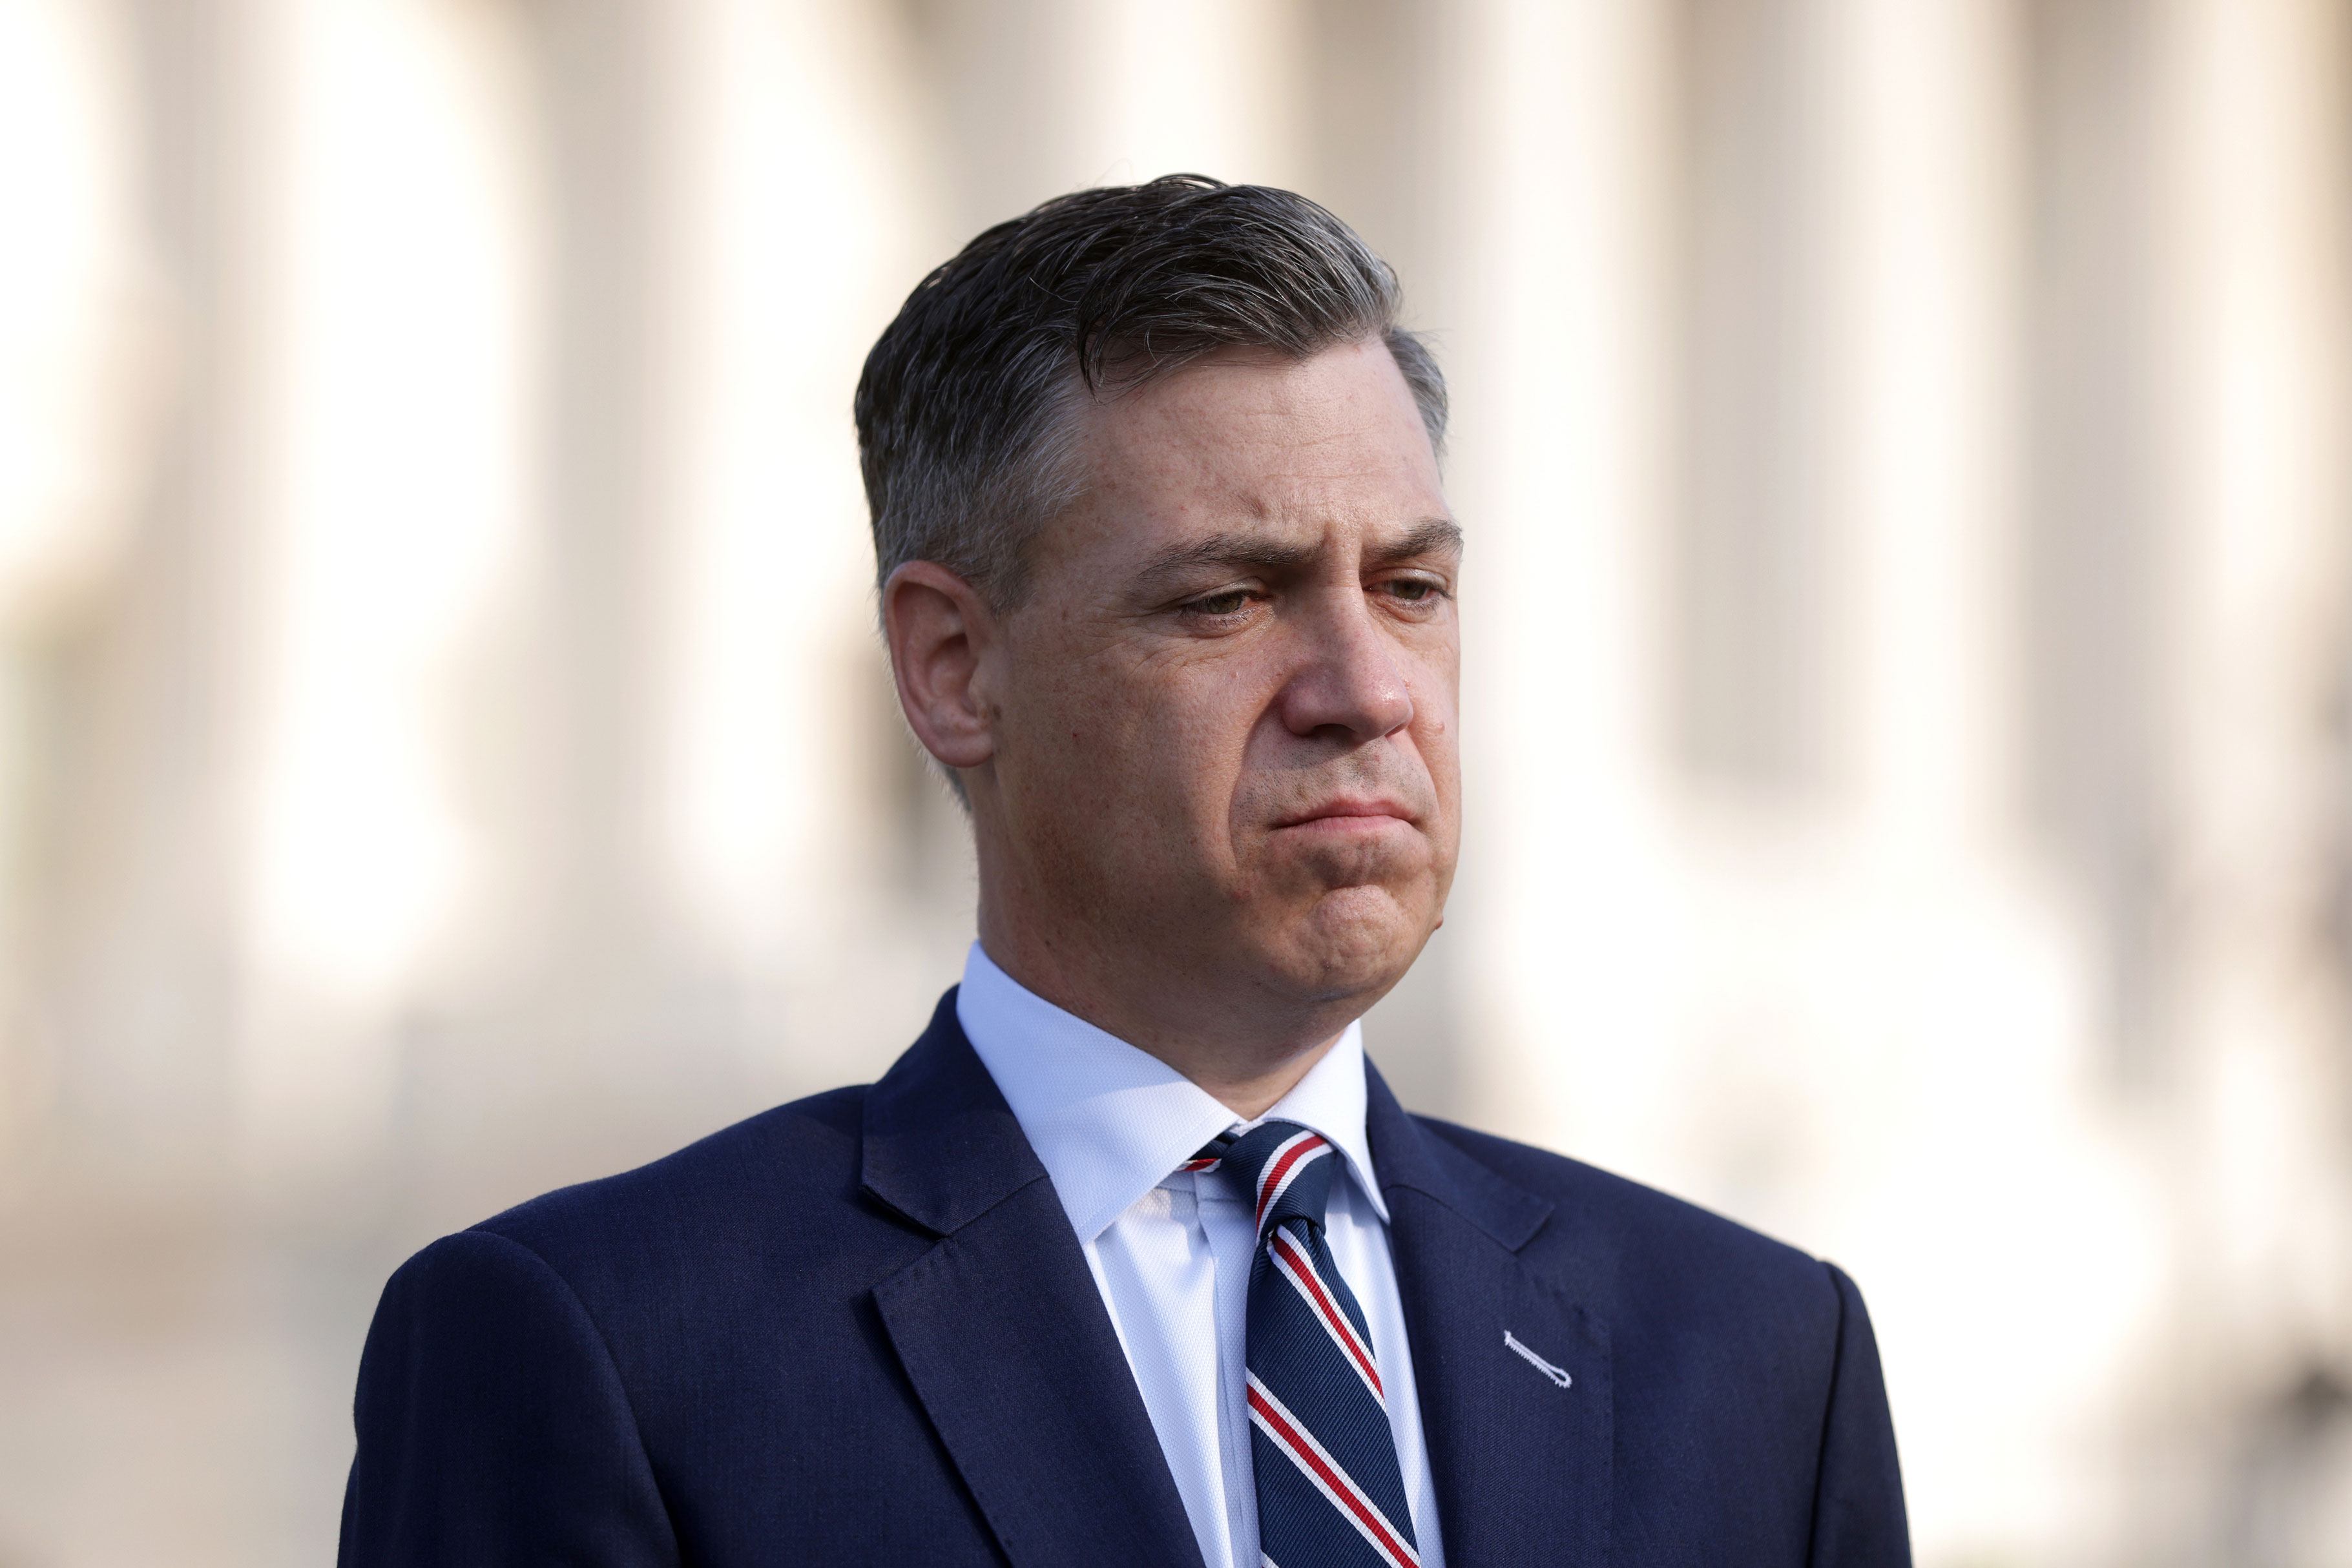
1431,537
1241,550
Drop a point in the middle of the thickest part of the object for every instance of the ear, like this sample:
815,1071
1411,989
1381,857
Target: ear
937,627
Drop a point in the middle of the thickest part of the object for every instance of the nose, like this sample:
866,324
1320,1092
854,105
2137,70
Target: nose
1349,678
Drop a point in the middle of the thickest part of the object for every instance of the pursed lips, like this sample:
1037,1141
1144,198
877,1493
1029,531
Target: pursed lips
1350,813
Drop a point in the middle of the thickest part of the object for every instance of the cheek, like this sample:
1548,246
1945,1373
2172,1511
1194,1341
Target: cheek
1440,754
1148,752
1436,726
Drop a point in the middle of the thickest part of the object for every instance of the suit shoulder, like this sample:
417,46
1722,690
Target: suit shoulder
796,1158
1652,1242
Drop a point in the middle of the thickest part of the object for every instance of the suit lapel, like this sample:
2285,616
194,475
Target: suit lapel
1522,1465
1001,1328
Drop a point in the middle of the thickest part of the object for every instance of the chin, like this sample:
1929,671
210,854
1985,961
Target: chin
1355,942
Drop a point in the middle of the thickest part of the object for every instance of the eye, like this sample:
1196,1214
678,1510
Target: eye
1231,601
1412,590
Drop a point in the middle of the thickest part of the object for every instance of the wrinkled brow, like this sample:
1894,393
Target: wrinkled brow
1244,551
1436,535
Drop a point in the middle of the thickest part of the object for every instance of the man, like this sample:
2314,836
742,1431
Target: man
1132,1258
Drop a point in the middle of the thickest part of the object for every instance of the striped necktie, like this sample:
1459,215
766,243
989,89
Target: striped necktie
1329,1494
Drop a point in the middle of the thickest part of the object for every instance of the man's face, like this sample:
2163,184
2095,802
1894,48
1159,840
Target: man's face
1224,719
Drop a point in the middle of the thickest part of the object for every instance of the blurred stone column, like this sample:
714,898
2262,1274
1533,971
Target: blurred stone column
2095,544
1754,557
1953,990
682,914
1562,228
609,112
562,1025
136,704
392,486
2256,469
823,871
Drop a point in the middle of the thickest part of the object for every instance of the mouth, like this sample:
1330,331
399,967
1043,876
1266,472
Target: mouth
1351,813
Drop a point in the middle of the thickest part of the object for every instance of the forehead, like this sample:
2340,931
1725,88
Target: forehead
1246,434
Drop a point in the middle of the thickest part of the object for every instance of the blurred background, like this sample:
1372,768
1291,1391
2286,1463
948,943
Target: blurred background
1907,451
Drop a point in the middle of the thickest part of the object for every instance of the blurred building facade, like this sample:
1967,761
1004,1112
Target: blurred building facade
444,751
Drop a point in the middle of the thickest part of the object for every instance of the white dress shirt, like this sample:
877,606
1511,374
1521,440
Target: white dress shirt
1172,1258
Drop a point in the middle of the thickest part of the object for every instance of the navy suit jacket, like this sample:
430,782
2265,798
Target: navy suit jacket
857,1329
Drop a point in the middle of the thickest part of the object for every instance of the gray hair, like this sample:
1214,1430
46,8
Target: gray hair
965,412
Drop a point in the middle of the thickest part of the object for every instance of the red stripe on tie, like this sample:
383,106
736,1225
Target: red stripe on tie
1198,1165
1294,1444
1302,1269
1270,1184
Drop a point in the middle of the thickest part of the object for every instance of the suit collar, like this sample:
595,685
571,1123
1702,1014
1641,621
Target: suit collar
942,1147
1002,1330
1410,1157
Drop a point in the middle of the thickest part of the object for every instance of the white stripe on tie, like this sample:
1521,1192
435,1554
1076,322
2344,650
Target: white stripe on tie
1300,1269
1267,1197
1315,1462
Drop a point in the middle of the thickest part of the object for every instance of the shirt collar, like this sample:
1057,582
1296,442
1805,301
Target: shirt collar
1109,1122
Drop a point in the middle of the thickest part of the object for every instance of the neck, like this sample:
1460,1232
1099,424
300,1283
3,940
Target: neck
1247,1063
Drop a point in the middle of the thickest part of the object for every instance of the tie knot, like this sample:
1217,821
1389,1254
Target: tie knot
1280,1169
